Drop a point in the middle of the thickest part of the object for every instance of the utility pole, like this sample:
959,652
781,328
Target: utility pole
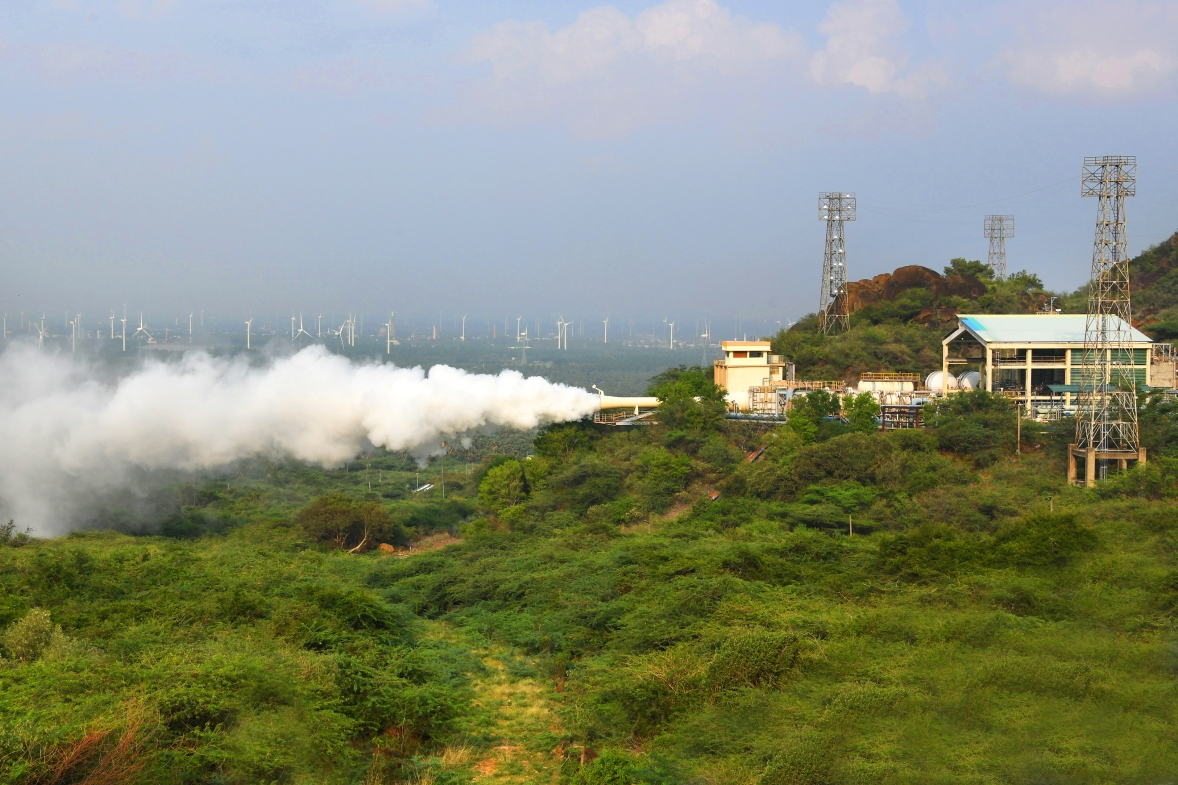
834,312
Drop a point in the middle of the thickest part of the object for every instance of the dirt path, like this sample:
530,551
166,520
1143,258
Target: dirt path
514,732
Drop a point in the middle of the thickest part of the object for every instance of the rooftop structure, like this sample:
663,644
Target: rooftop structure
745,365
1024,356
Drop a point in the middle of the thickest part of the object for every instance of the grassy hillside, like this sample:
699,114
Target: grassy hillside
855,607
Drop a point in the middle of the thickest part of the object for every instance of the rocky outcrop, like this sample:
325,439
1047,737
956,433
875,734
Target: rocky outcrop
886,287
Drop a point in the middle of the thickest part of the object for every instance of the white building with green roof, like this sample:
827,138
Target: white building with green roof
1032,358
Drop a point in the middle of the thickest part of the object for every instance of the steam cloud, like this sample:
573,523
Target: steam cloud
65,434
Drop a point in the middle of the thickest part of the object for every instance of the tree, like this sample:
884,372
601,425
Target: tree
503,486
862,412
976,270
348,525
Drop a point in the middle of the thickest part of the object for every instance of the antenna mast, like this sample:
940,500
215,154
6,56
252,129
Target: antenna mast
997,229
833,309
1106,417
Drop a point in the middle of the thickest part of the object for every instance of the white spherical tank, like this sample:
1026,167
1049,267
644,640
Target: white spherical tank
937,381
969,380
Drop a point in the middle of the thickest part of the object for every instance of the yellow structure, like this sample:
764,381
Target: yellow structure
746,365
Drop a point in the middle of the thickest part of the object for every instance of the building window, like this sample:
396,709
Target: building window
756,354
740,355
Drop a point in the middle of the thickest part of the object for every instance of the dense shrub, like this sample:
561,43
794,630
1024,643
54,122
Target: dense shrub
27,639
349,525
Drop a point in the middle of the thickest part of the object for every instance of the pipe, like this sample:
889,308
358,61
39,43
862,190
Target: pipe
615,402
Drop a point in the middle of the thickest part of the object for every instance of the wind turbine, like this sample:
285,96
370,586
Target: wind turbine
143,329
389,332
190,315
248,322
112,325
41,333
292,330
606,330
517,321
319,328
301,330
464,327
74,325
559,330
124,327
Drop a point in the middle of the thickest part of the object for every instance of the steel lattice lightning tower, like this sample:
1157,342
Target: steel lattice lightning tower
1106,417
998,228
834,312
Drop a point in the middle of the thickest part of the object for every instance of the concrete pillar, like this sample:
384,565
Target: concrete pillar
1027,385
944,369
1090,467
1140,456
1067,375
1071,464
989,370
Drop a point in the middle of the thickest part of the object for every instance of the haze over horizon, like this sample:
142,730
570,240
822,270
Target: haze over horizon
541,156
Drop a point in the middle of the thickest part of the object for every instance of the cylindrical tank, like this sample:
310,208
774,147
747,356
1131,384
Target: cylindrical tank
937,381
969,380
884,385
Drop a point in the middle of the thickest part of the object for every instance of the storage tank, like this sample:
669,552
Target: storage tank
969,380
878,386
937,381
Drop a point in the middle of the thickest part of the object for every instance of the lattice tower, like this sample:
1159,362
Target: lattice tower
1106,418
833,309
998,228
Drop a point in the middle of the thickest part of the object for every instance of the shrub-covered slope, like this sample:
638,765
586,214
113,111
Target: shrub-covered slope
854,607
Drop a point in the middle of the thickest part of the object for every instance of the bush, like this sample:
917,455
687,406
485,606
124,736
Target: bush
27,639
664,475
976,424
611,768
1041,540
349,525
753,658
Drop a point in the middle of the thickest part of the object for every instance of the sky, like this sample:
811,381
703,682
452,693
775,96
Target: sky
503,157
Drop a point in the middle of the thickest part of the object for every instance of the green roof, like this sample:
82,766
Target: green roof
1030,328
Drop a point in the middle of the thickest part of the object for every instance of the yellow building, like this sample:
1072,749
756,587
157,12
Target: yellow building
747,364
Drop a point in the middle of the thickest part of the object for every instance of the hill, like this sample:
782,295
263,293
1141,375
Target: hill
855,607
899,318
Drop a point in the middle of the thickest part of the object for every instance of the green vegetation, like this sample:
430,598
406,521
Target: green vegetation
856,606
604,606
884,336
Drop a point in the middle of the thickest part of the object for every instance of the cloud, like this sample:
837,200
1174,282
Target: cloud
862,50
1096,48
608,74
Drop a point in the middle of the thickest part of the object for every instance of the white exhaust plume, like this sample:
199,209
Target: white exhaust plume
65,435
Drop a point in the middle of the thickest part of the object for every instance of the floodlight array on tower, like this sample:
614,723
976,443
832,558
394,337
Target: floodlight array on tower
835,208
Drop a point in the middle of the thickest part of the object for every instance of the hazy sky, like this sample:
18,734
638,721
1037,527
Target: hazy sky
499,156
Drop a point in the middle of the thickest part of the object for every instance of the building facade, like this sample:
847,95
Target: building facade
747,365
1034,359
